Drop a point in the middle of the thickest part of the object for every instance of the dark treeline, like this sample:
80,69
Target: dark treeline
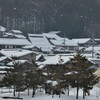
75,18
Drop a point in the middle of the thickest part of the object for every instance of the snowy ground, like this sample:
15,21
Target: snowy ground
41,96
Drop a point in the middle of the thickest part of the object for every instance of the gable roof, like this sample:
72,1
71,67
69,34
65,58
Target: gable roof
17,61
15,52
81,40
64,42
20,36
16,31
51,36
54,32
4,58
58,59
2,29
12,41
29,46
91,48
40,41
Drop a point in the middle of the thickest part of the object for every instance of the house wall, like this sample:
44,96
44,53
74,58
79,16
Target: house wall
29,57
4,62
1,32
70,47
87,44
1,76
9,46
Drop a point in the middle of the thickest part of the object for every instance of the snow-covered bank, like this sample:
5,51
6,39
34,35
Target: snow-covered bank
95,92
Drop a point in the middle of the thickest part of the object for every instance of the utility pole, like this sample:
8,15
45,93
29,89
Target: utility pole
78,47
34,24
64,41
92,45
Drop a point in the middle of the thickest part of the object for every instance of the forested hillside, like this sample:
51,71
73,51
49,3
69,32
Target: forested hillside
75,18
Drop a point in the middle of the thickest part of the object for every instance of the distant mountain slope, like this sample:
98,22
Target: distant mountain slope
75,18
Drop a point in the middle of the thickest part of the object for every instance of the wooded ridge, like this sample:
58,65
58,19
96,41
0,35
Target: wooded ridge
75,18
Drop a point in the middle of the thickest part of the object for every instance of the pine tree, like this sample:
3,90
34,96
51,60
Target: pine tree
88,76
57,74
76,65
14,77
83,75
33,77
30,78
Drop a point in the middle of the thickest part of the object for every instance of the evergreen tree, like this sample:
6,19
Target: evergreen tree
88,76
57,75
83,75
30,78
33,77
14,77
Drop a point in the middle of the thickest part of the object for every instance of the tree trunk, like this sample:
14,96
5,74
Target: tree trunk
40,89
77,92
45,90
77,86
19,94
59,94
88,92
1,90
14,91
28,91
68,91
33,92
83,94
9,89
53,94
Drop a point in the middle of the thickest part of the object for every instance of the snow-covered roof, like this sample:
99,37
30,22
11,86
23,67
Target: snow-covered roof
41,42
64,42
89,55
15,52
58,59
41,66
20,36
54,32
61,49
94,60
38,56
11,41
91,48
97,39
46,49
81,40
35,35
8,33
2,29
2,72
29,46
4,67
16,61
73,72
16,31
39,63
52,36
54,83
3,58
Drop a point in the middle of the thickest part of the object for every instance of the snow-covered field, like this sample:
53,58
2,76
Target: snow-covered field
95,92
